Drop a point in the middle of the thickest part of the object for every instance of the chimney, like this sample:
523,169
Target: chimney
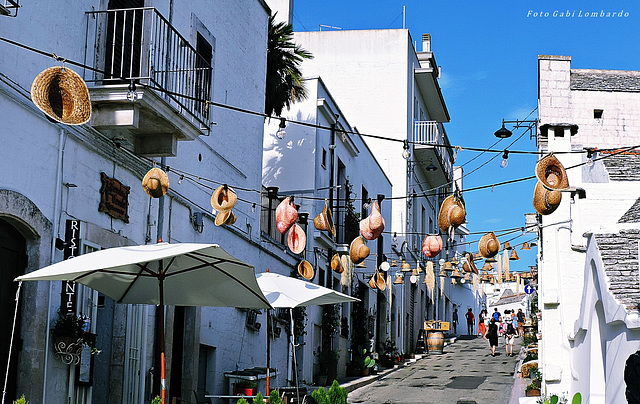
426,42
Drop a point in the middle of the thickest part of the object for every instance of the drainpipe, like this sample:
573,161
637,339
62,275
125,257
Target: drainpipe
332,153
56,224
159,229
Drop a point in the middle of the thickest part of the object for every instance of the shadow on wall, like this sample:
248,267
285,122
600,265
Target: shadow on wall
289,162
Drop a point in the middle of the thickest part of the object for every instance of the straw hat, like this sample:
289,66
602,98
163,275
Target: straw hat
324,220
469,265
227,217
447,266
456,274
507,246
286,215
489,245
372,226
296,239
525,246
380,282
62,95
398,280
545,201
452,213
372,282
551,173
335,264
514,255
305,270
155,183
358,250
405,267
487,266
223,198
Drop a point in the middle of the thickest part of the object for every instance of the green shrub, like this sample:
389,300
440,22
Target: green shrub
337,394
320,396
259,399
274,397
156,400
21,400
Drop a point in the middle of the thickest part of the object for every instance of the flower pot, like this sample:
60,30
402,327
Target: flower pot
365,372
532,393
244,391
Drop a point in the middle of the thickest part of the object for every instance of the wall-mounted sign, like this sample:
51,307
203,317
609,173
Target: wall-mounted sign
114,198
71,250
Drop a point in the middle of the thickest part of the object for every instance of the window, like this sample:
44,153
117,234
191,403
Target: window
323,161
124,39
597,113
365,198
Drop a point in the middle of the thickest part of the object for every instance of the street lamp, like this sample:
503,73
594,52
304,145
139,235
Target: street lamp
504,133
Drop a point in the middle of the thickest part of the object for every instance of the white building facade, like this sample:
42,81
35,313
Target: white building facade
589,245
177,56
389,89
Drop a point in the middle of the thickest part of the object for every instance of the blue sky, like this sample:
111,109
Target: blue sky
488,52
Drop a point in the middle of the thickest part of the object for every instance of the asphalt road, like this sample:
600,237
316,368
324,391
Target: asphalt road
466,373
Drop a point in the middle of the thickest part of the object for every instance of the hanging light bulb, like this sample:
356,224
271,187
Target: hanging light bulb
505,162
180,180
281,132
406,153
132,95
395,237
253,208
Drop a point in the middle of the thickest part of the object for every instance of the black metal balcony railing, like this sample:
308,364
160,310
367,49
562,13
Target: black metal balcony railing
140,45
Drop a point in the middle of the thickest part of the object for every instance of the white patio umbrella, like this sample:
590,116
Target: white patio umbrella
287,292
186,274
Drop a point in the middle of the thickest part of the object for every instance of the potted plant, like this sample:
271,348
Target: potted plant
70,334
533,389
245,388
327,362
368,362
388,353
21,400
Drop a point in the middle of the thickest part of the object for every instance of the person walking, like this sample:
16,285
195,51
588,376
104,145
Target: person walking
496,316
509,338
520,317
470,321
455,321
492,335
481,320
514,322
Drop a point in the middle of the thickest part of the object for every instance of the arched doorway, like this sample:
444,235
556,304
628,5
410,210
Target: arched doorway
13,261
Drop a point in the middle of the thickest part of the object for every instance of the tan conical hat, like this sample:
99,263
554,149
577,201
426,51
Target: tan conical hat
62,95
469,265
324,220
545,201
525,246
227,218
452,213
380,282
551,173
514,255
506,246
398,280
155,183
456,274
296,239
335,264
305,270
223,198
489,245
358,250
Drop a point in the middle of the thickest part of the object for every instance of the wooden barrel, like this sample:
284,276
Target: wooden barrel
435,342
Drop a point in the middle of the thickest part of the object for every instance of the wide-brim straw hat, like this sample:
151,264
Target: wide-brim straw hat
514,255
506,246
372,282
324,220
545,201
358,250
335,264
223,198
487,266
447,266
452,213
155,183
489,246
62,95
525,246
296,239
305,270
372,226
456,274
227,218
551,173
469,265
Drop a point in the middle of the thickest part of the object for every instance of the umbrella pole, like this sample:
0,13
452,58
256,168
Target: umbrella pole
162,360
268,352
295,363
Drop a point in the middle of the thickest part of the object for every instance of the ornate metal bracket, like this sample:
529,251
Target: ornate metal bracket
68,349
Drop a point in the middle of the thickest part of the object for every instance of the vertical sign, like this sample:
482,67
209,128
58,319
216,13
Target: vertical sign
71,249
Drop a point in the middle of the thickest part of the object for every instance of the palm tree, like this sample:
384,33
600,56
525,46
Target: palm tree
284,79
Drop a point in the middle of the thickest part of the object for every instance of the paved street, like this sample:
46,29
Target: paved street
466,373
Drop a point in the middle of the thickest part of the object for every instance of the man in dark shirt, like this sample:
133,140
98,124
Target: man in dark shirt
455,321
520,317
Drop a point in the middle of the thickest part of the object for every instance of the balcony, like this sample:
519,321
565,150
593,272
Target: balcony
436,163
172,79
